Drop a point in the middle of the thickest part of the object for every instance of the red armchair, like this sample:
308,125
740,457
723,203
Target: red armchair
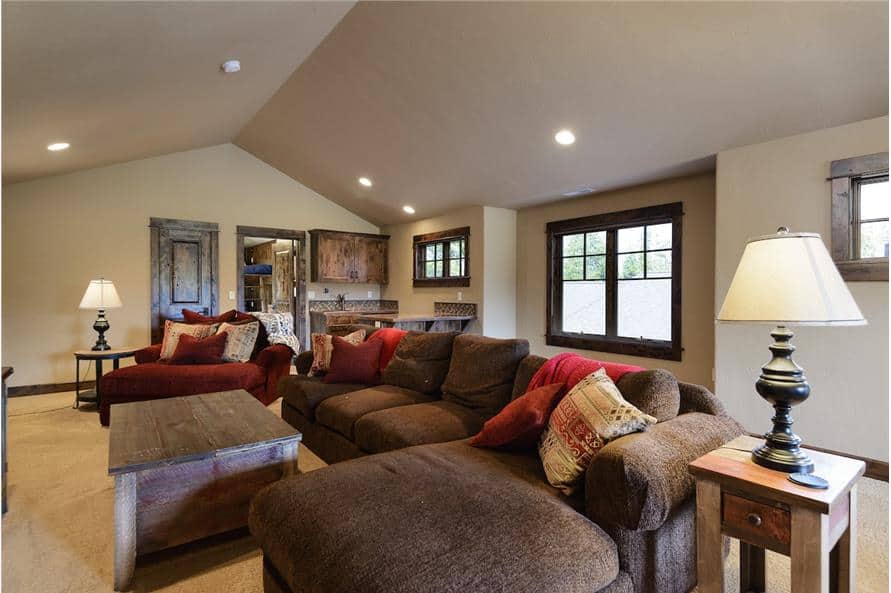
150,378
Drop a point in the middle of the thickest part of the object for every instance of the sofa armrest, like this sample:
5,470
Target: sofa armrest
148,354
303,362
276,362
696,398
637,480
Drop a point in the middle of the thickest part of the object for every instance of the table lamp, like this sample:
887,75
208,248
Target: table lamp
786,279
101,295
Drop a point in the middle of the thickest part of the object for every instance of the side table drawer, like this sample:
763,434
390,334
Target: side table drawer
756,523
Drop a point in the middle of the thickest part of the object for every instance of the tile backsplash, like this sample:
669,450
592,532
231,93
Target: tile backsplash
454,309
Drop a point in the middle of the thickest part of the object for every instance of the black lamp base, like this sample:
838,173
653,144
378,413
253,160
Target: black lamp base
783,384
101,326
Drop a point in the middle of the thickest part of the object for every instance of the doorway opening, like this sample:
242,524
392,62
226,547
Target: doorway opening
270,267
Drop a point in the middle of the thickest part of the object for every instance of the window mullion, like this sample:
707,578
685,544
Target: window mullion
612,265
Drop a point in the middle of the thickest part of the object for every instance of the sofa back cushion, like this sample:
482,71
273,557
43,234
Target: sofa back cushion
421,361
482,372
653,392
527,369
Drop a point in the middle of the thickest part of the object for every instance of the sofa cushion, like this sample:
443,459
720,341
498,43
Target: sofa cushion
482,372
520,424
397,428
154,378
445,517
354,363
341,412
527,369
653,392
421,361
305,393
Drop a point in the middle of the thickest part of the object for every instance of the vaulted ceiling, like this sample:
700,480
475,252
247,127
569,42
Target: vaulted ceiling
440,104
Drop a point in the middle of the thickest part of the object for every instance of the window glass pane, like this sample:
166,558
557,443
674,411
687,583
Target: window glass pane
584,307
875,200
659,236
644,309
631,265
631,239
454,249
439,269
572,268
874,239
573,244
455,267
430,253
596,242
439,248
659,264
595,267
429,270
463,272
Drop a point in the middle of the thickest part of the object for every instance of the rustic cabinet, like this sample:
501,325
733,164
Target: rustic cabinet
348,257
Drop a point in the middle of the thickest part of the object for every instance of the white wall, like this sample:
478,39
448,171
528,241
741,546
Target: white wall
500,281
783,183
59,232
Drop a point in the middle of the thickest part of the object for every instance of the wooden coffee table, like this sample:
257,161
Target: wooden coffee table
187,467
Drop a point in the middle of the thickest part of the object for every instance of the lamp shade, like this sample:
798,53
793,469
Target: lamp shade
100,294
789,279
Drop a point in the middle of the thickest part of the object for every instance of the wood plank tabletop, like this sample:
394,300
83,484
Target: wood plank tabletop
112,353
731,465
180,429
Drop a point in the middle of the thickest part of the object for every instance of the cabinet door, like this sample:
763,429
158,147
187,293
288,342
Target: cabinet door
334,258
371,260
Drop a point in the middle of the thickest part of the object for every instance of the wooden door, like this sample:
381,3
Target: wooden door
184,270
283,281
371,260
333,257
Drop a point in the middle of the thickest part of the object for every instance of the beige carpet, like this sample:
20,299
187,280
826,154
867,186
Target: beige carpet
57,535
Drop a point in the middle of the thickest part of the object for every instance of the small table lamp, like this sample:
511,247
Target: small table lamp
786,279
101,295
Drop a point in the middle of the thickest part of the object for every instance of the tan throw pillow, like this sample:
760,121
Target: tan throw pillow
323,346
590,416
173,330
241,340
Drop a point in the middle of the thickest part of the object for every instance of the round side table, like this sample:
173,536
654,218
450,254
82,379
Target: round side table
115,355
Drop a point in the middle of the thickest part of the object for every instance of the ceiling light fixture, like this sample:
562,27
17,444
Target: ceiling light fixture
365,181
564,137
231,66
408,209
57,146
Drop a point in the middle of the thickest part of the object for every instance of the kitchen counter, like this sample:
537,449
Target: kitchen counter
419,322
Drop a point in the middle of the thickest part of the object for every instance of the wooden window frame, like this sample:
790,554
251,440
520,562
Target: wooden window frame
611,342
845,177
421,241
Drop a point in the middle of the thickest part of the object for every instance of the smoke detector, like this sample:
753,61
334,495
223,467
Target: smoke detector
230,66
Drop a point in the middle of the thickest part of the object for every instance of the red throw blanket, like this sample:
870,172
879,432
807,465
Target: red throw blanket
571,368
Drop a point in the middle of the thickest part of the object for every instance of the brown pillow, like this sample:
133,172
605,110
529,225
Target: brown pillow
654,392
482,371
421,361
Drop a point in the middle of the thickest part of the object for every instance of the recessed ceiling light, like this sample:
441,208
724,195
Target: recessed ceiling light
365,181
408,209
564,137
57,146
230,66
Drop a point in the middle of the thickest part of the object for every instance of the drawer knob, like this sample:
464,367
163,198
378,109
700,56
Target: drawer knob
754,519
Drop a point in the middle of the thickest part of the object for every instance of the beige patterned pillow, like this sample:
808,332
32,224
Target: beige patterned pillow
323,346
241,340
173,330
590,416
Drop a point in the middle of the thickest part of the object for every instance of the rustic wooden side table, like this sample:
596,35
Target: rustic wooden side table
115,355
763,509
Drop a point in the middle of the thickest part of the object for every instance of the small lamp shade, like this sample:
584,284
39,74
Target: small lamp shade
789,279
100,294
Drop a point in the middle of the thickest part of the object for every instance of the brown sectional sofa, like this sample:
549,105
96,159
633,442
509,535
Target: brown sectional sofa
444,516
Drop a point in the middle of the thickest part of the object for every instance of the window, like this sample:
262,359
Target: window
441,259
861,203
614,282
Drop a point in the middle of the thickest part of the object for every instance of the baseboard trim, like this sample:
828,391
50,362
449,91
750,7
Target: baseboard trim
22,390
875,469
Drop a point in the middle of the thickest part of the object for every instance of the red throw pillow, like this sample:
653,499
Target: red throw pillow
520,424
389,337
195,317
191,350
354,364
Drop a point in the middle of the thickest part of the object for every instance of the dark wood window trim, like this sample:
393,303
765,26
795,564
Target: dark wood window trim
419,242
846,176
611,342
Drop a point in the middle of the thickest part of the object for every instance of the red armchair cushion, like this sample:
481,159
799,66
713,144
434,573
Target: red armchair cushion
520,424
195,317
148,354
355,364
389,338
191,350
